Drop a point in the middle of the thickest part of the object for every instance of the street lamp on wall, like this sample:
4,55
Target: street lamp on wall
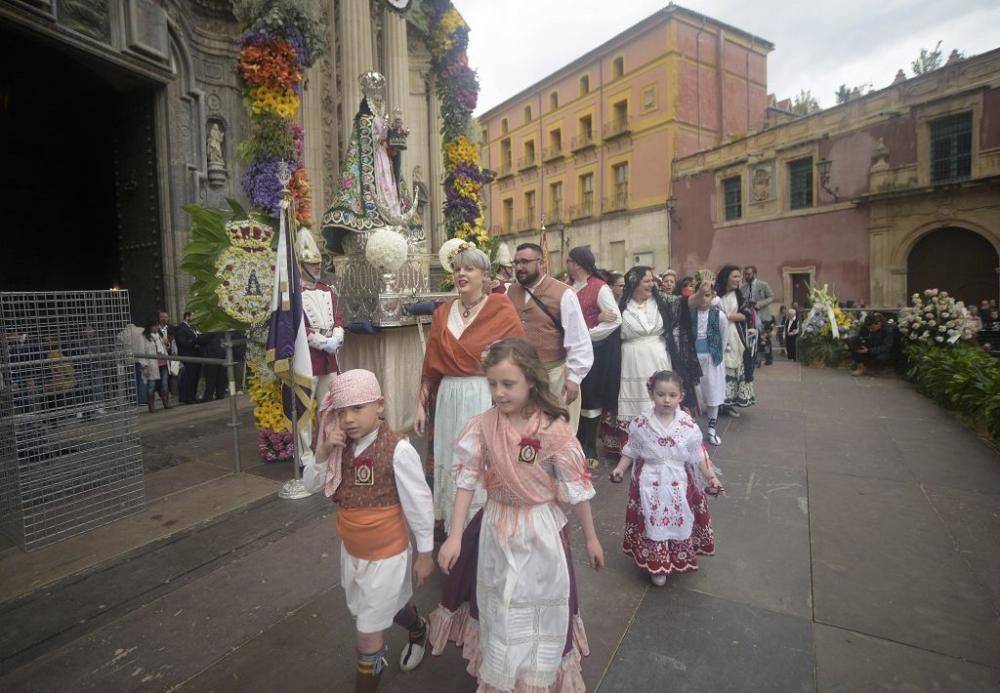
823,170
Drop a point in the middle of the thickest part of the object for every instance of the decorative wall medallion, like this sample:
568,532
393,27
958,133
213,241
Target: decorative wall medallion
214,102
760,181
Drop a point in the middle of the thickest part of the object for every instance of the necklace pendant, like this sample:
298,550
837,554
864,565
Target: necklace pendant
465,313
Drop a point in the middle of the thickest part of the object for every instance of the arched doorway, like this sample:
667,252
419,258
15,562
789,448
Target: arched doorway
955,260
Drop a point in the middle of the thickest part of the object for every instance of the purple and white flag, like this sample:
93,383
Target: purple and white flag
287,348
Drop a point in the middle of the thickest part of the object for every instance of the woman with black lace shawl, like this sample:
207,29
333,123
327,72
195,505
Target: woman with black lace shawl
655,335
738,356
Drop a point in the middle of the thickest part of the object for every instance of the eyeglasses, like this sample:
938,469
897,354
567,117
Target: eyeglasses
522,263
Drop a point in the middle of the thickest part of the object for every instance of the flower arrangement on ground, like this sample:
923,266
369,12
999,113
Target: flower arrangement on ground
825,330
274,446
936,319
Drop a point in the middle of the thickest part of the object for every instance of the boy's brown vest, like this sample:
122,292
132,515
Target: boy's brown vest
370,520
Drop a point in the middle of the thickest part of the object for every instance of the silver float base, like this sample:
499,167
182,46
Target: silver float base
293,489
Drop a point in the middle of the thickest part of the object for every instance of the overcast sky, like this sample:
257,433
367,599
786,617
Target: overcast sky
818,46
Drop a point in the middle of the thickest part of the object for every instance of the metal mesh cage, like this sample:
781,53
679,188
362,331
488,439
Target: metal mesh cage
70,458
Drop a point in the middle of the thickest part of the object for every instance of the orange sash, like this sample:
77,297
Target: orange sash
372,534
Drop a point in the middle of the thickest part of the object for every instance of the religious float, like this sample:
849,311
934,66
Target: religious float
372,235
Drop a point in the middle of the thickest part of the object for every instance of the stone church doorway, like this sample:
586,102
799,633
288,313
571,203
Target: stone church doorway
79,188
955,260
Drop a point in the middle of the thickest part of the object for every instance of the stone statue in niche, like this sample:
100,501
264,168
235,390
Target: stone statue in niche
761,184
216,159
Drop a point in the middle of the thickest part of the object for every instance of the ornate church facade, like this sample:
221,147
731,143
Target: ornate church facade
122,112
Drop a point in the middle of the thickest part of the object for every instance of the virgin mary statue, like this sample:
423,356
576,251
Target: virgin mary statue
372,193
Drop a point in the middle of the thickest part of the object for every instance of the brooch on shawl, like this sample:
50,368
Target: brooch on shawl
364,472
529,448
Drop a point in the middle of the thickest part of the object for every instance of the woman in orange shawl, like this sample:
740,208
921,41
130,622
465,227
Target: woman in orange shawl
453,387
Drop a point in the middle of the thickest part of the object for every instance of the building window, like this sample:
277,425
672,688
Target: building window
732,192
529,153
503,126
584,85
508,215
554,100
586,129
951,148
529,209
800,179
555,201
506,157
555,142
485,135
617,67
527,114
587,195
620,200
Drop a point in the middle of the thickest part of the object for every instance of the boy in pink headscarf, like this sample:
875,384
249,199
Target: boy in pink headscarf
376,476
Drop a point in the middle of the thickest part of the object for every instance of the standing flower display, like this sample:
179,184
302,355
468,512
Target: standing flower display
826,329
458,88
936,319
278,43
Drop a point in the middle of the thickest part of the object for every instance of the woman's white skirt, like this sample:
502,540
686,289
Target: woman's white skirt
458,400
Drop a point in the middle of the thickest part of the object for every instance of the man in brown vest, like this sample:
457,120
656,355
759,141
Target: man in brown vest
554,324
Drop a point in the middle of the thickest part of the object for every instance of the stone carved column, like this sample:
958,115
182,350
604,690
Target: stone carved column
397,68
355,26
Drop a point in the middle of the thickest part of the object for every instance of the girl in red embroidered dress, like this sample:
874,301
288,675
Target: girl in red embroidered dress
666,521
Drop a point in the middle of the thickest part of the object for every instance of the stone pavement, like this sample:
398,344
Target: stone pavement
857,550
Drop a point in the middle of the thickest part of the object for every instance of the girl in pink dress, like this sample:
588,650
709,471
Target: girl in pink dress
510,599
666,521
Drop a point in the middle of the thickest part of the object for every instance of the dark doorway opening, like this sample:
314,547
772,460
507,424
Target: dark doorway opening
955,260
800,288
64,123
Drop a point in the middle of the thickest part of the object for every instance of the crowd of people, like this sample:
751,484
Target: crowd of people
188,382
529,384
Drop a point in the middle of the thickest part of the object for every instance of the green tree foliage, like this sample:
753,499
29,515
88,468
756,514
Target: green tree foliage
805,103
927,61
845,93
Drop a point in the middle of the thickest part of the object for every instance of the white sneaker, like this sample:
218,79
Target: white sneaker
413,652
713,438
658,580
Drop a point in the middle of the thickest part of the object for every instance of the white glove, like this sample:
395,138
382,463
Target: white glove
337,338
315,340
329,346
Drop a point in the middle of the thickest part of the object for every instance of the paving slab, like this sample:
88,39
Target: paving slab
762,542
849,662
46,619
685,641
181,634
884,565
23,572
973,520
856,447
170,480
943,452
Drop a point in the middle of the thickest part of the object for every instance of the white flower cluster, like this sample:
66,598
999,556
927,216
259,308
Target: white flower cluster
935,318
387,250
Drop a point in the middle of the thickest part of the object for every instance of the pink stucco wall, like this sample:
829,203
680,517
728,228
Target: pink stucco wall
836,243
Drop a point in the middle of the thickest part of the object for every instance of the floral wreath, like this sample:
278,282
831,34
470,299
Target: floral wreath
460,248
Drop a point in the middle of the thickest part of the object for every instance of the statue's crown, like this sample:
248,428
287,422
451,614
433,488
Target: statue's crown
249,234
371,82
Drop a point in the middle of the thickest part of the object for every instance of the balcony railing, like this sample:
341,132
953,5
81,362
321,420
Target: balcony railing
526,223
554,215
617,202
553,153
504,170
618,127
584,209
527,162
497,230
583,141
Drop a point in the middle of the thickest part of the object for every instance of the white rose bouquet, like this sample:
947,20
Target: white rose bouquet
936,319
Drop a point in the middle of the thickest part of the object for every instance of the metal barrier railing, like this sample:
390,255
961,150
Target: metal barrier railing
230,364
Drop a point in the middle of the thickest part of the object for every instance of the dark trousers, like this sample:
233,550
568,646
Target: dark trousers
791,345
190,373
216,383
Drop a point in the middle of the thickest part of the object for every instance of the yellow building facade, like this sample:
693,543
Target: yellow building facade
588,149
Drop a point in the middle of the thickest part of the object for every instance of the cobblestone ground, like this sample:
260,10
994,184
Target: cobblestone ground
857,550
